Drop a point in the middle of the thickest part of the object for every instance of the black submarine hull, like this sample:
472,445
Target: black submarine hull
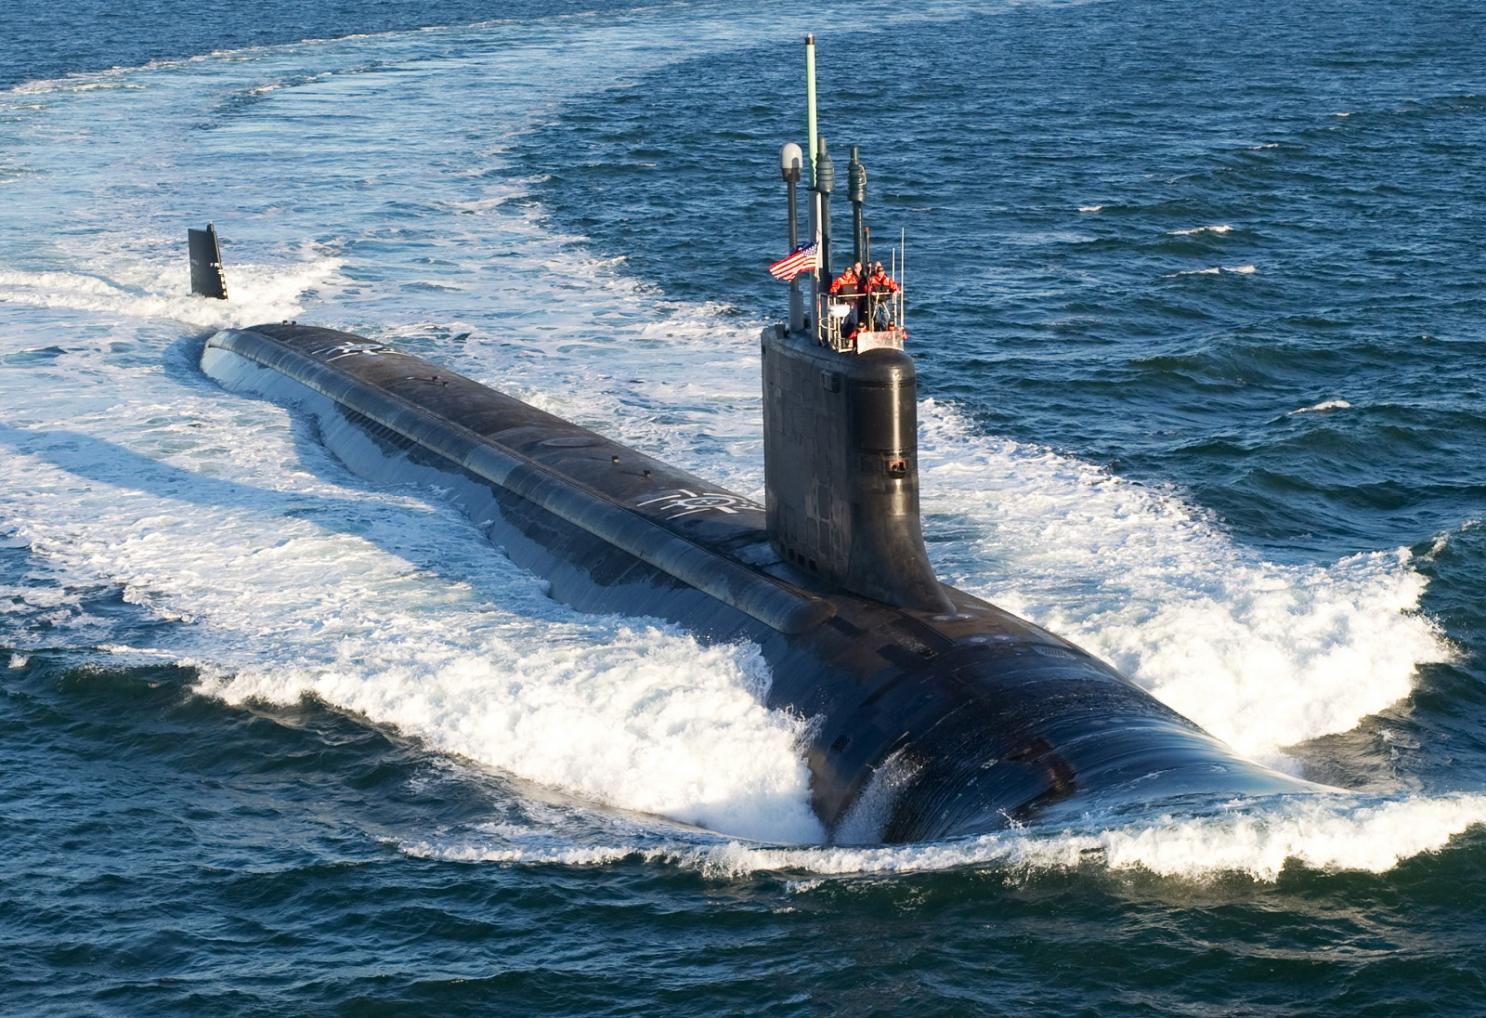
955,719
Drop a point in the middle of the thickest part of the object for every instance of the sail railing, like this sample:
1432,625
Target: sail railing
833,314
844,333
886,305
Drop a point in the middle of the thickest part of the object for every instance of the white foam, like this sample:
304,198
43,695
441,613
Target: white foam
380,605
1213,270
1318,834
151,290
1220,228
865,821
111,77
18,661
1323,406
1091,208
632,716
1263,655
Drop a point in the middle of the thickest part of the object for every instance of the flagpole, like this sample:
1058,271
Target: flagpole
814,195
902,276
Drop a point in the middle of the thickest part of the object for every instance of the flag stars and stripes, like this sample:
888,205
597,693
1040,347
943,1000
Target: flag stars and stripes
802,259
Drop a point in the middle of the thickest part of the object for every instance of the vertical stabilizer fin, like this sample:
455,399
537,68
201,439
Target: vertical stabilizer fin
207,278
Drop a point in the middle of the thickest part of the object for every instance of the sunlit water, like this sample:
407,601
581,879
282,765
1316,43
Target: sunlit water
1197,308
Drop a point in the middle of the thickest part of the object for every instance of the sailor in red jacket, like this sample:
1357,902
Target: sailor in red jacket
879,286
849,285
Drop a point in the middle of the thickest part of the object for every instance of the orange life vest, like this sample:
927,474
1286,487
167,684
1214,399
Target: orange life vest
846,281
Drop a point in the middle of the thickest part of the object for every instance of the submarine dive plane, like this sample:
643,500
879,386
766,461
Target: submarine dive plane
934,714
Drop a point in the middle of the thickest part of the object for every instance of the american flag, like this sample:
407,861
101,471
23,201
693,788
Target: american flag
801,259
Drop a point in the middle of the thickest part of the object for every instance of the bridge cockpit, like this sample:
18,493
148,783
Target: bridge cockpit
862,310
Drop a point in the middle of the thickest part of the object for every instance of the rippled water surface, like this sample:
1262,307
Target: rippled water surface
1197,300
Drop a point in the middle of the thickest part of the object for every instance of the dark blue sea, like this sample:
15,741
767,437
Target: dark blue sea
1196,293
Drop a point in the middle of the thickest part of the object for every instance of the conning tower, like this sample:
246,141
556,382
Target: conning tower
841,469
840,412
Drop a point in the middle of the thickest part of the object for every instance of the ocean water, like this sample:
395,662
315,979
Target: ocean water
1196,295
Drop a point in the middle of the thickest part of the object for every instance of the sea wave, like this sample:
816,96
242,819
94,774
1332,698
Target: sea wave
1323,406
1219,229
1216,270
1320,835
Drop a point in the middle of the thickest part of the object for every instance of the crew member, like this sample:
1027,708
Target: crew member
846,286
880,286
849,282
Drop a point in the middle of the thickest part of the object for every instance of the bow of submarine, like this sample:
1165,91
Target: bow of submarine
978,720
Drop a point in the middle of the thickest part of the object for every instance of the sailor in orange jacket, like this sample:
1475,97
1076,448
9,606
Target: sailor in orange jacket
879,285
848,282
846,285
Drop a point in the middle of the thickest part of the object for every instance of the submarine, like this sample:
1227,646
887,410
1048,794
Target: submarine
932,714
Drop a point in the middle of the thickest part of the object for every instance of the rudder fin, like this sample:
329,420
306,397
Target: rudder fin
207,277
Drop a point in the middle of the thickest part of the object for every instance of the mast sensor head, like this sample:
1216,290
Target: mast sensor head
791,161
